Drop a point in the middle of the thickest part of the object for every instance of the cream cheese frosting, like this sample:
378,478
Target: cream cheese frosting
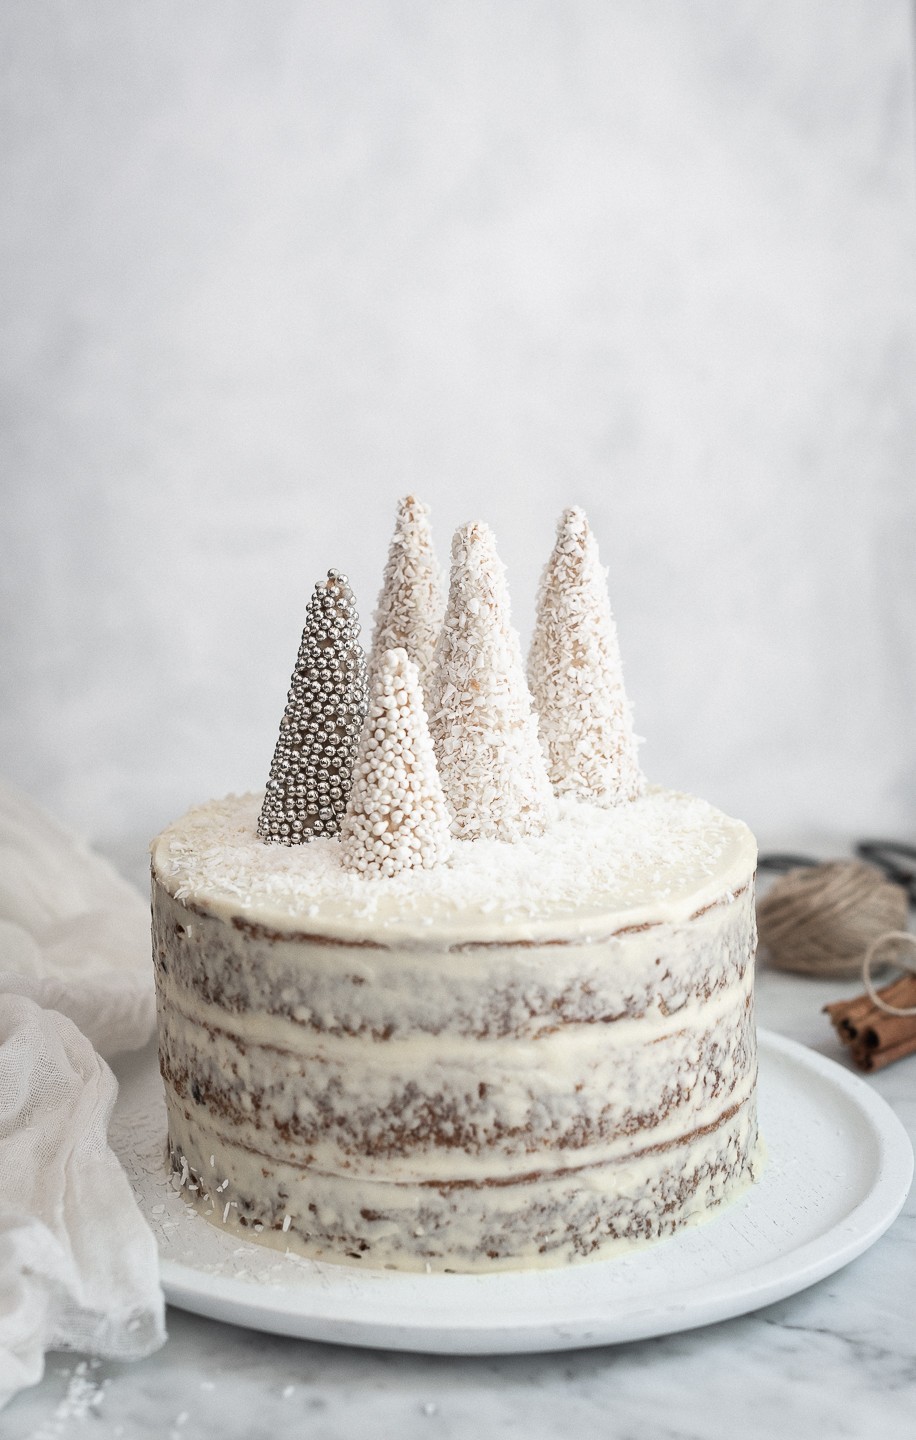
594,871
534,1054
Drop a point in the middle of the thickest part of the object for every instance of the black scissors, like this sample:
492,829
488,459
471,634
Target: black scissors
896,860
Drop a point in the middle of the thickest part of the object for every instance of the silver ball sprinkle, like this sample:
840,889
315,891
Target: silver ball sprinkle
312,768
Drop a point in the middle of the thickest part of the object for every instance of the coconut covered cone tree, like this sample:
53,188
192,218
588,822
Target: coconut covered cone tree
575,675
312,767
482,722
412,599
397,818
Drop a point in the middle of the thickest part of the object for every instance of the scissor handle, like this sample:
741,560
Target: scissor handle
781,862
888,855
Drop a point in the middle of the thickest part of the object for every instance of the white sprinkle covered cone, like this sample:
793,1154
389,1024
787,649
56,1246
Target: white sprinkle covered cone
482,722
575,675
397,818
412,599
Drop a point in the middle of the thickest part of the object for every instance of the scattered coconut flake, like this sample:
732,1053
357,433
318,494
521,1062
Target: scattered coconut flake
412,599
483,726
591,861
83,1398
397,818
574,671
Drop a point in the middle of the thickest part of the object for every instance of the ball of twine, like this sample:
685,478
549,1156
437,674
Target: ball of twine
820,920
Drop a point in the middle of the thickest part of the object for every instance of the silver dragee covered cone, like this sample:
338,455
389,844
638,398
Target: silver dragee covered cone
312,768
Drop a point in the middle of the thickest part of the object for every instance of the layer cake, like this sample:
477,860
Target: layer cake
537,1053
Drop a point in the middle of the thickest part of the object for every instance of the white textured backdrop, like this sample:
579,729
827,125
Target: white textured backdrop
265,267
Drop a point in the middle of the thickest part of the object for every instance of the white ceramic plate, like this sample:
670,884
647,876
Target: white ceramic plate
838,1169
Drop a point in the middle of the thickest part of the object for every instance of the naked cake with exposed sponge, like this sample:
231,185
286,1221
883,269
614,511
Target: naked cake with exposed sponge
497,1011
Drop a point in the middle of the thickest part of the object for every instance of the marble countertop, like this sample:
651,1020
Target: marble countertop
838,1358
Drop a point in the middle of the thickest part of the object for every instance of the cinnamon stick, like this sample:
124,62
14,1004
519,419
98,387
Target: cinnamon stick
874,1037
900,993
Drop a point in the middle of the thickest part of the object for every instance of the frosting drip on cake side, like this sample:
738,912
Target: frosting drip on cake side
660,858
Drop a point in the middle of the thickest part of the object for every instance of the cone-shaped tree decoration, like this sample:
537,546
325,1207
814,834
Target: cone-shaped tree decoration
397,818
412,599
312,767
483,726
574,672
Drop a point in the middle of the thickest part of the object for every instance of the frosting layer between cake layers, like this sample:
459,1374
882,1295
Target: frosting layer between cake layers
540,1053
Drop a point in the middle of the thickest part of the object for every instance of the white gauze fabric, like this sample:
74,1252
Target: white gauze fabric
78,1263
74,936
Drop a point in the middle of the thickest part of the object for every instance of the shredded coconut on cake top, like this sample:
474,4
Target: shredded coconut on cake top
664,854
